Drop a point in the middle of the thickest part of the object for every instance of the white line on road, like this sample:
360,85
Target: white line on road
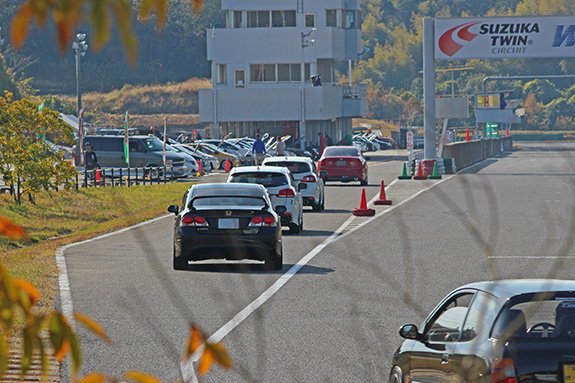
187,366
531,256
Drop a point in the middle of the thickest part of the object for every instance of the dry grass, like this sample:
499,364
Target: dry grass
173,98
60,218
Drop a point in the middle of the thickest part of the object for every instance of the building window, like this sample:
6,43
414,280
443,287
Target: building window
349,21
310,20
283,18
278,72
331,17
263,19
240,78
237,19
221,74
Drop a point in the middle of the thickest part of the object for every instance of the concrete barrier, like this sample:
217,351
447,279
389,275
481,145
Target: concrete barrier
467,153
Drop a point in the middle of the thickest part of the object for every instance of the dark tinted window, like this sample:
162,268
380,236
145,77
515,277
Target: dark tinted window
225,201
342,152
106,144
294,167
262,178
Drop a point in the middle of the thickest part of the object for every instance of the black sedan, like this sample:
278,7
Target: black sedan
493,332
227,221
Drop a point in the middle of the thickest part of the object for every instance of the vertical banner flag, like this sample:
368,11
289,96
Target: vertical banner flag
165,125
126,141
81,135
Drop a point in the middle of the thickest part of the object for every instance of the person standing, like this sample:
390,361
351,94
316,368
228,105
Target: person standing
280,147
258,149
321,144
91,162
328,140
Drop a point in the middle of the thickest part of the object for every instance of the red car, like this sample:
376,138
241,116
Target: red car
343,163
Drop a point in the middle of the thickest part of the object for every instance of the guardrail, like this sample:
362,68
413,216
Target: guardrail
118,177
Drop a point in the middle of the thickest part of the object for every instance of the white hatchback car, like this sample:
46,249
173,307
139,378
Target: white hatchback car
305,172
282,187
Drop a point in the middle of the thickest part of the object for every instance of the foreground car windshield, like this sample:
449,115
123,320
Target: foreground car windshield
266,179
340,152
294,167
228,201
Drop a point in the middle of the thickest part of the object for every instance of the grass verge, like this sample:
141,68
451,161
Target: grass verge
64,217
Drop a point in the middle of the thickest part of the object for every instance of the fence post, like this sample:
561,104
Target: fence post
129,177
77,181
112,177
172,175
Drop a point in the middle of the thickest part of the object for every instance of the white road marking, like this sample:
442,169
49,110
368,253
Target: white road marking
64,281
187,366
531,256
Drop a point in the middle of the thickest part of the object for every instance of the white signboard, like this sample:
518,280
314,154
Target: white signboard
409,140
505,37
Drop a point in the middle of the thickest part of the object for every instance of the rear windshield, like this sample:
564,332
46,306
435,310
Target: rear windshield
341,152
262,178
228,201
294,167
547,317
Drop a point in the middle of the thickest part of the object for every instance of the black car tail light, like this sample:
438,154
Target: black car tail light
503,371
263,220
193,220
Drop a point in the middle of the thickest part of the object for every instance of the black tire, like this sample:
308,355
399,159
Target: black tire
316,206
180,263
301,221
294,228
396,376
363,183
274,262
323,202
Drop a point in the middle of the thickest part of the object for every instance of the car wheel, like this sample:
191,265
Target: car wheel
396,376
316,206
301,221
294,228
180,263
274,261
323,202
363,183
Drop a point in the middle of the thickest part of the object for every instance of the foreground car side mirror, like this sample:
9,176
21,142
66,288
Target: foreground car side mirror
173,209
409,331
323,174
301,186
367,158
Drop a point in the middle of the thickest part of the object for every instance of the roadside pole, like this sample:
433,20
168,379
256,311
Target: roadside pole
428,89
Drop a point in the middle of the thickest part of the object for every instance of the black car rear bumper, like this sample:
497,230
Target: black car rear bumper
236,245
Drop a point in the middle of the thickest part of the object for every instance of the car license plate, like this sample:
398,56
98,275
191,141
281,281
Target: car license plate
569,373
229,223
340,163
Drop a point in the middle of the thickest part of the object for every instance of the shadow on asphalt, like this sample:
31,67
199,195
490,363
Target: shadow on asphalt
248,268
312,233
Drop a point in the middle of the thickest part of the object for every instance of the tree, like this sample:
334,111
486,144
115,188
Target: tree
27,161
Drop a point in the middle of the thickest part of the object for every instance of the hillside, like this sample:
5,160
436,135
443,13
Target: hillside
147,106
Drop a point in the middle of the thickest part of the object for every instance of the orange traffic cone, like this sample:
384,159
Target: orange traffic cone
420,175
467,137
382,198
363,210
227,165
507,132
199,168
98,178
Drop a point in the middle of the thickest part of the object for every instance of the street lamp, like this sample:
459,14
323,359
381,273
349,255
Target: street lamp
80,46
304,43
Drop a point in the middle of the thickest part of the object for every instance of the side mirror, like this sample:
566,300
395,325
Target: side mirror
173,209
301,186
409,331
323,174
367,158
